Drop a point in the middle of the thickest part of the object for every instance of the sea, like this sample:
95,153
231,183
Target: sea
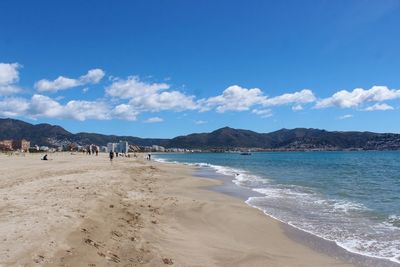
350,198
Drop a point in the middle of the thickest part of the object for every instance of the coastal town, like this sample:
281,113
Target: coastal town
122,147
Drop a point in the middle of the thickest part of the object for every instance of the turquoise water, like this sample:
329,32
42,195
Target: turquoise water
352,198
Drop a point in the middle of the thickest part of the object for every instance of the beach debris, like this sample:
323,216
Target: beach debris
154,222
168,261
111,206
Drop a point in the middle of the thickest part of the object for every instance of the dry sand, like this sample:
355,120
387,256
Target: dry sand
78,210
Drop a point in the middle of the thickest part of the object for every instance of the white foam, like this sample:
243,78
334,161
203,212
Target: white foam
355,242
347,206
332,219
241,177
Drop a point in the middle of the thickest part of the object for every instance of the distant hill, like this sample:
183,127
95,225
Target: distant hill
224,138
288,139
37,134
50,135
221,138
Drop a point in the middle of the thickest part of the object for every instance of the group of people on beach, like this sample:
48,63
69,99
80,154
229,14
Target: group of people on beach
91,150
111,155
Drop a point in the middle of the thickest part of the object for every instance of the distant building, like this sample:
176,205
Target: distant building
44,148
6,145
22,145
123,147
156,148
111,147
72,147
10,145
134,148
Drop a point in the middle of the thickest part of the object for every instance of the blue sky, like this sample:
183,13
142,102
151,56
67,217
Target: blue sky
167,68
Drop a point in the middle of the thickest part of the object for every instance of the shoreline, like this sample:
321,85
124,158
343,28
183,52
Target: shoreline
79,210
317,243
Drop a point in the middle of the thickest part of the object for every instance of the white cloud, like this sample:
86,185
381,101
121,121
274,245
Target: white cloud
125,112
297,107
233,98
92,77
9,75
61,83
236,98
302,97
133,96
358,97
173,100
154,120
12,107
378,106
344,117
264,113
151,97
84,110
198,122
9,89
133,87
44,106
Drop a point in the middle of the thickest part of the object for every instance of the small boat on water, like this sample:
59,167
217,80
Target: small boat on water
245,153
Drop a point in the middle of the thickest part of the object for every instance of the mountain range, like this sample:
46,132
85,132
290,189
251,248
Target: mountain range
224,138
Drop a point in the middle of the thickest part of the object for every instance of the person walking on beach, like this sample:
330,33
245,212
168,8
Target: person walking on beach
149,156
111,155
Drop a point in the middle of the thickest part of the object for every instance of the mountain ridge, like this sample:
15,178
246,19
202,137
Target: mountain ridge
224,138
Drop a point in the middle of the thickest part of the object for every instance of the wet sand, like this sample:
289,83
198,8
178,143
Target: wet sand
78,210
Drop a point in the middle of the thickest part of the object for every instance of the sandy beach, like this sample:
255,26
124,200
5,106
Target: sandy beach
79,210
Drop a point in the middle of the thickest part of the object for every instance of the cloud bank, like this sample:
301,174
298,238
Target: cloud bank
93,76
9,76
358,97
128,98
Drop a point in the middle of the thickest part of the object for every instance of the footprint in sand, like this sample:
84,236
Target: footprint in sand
39,259
168,261
92,243
116,233
112,257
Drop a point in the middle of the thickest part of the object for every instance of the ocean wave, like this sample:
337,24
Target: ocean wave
347,206
394,220
342,221
332,220
241,177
